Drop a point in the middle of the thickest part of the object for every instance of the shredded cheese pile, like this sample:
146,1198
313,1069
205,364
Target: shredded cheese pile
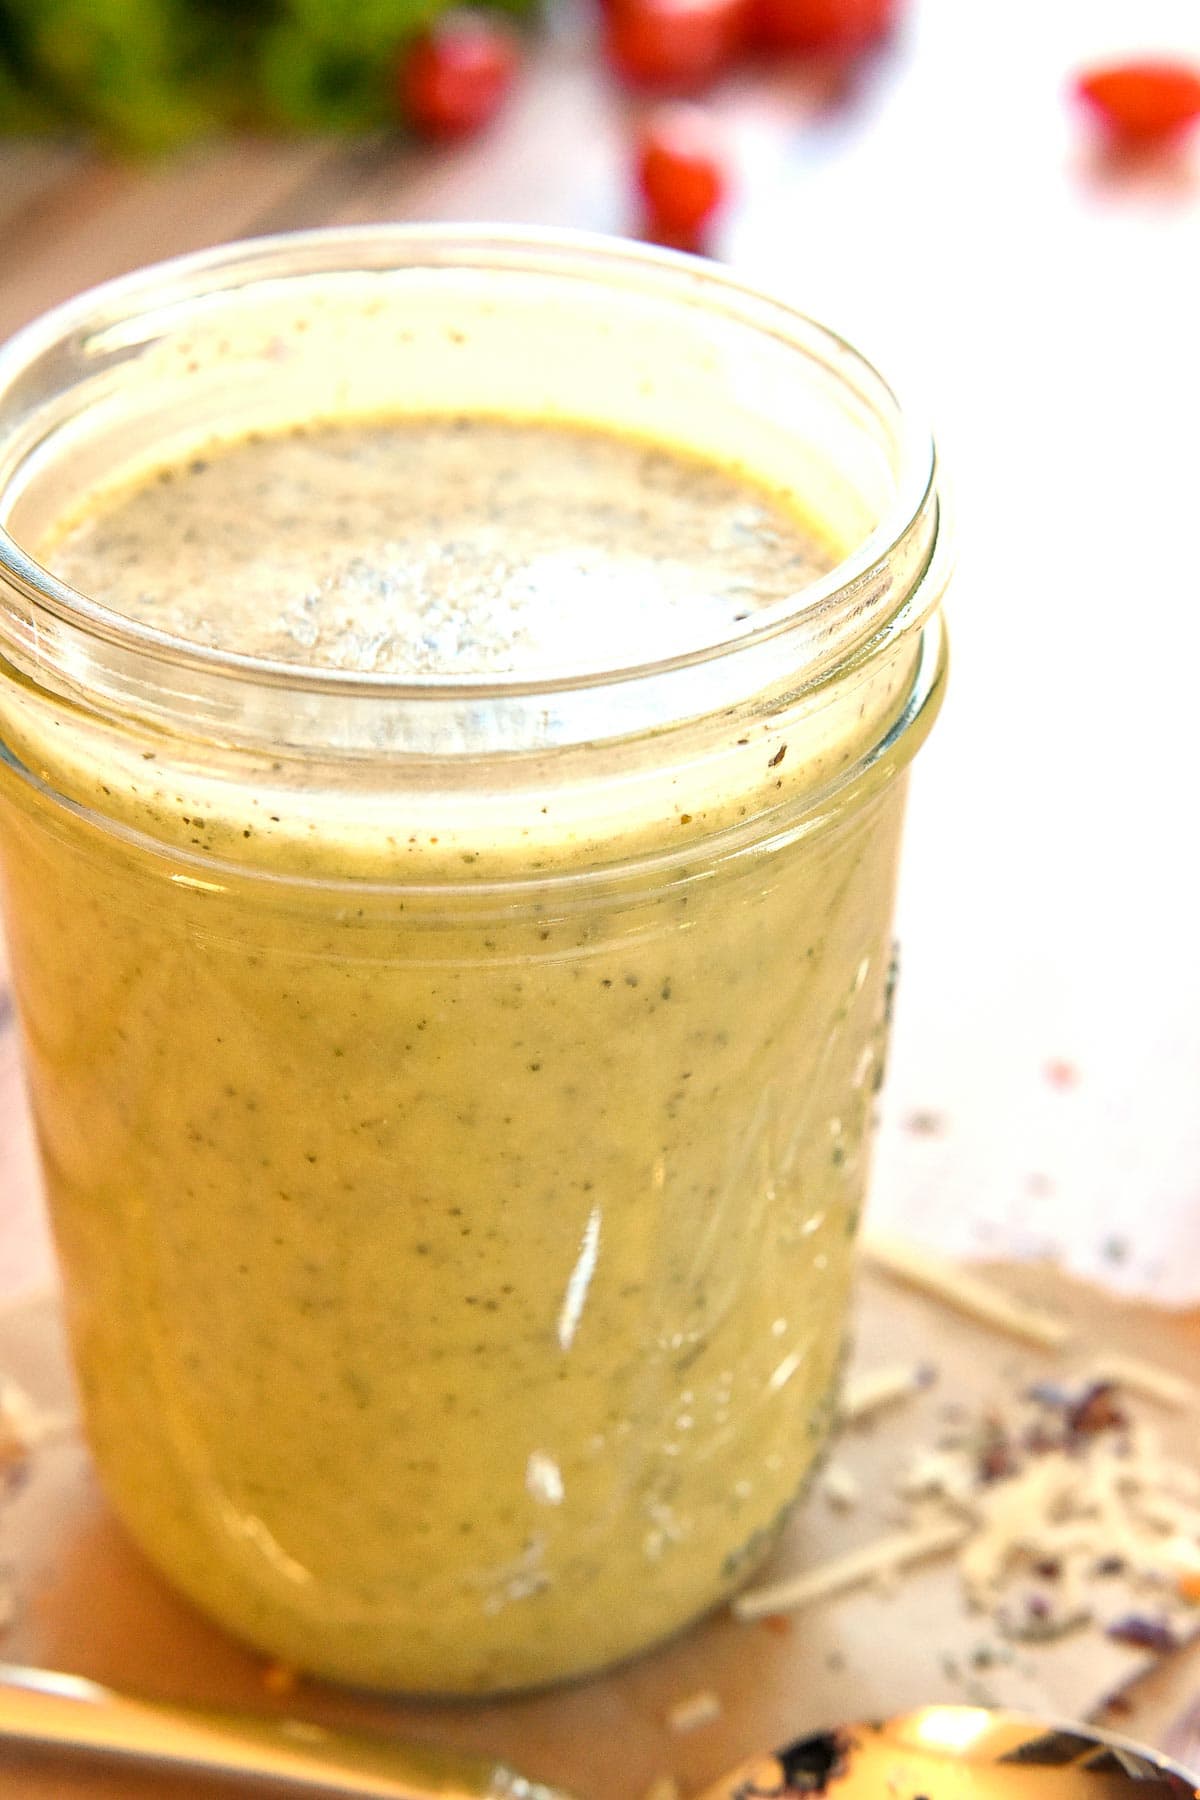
1061,1508
1075,1516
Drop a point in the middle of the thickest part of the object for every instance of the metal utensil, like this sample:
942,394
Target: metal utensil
958,1753
938,1752
65,1712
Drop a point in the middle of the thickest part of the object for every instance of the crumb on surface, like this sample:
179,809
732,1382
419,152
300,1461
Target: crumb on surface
924,1122
280,1678
841,1487
1060,1073
875,1389
694,1710
24,1425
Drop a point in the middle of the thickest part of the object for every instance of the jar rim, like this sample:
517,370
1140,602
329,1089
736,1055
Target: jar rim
833,603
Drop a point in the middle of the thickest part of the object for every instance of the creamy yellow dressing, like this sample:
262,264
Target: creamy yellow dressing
452,546
457,1283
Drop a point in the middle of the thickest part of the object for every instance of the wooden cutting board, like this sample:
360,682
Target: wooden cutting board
85,1601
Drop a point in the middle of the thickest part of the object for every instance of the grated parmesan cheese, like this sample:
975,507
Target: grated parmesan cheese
877,1389
842,1489
693,1712
1073,1513
878,1561
965,1291
24,1424
1061,1509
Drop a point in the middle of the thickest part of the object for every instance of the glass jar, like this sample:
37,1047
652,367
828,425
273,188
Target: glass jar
454,1093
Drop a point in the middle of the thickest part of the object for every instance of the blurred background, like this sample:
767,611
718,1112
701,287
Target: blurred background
992,202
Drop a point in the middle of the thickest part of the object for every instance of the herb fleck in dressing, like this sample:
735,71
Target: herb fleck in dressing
457,1288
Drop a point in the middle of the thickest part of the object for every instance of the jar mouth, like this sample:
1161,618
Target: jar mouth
879,579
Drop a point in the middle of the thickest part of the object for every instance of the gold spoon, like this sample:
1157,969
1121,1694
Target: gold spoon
935,1753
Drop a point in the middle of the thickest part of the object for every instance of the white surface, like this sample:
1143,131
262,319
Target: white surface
967,226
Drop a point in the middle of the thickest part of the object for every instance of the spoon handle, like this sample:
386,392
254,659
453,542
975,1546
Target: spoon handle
39,1706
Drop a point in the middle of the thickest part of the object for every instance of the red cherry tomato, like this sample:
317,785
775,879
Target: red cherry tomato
676,45
681,174
455,76
840,27
1143,100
